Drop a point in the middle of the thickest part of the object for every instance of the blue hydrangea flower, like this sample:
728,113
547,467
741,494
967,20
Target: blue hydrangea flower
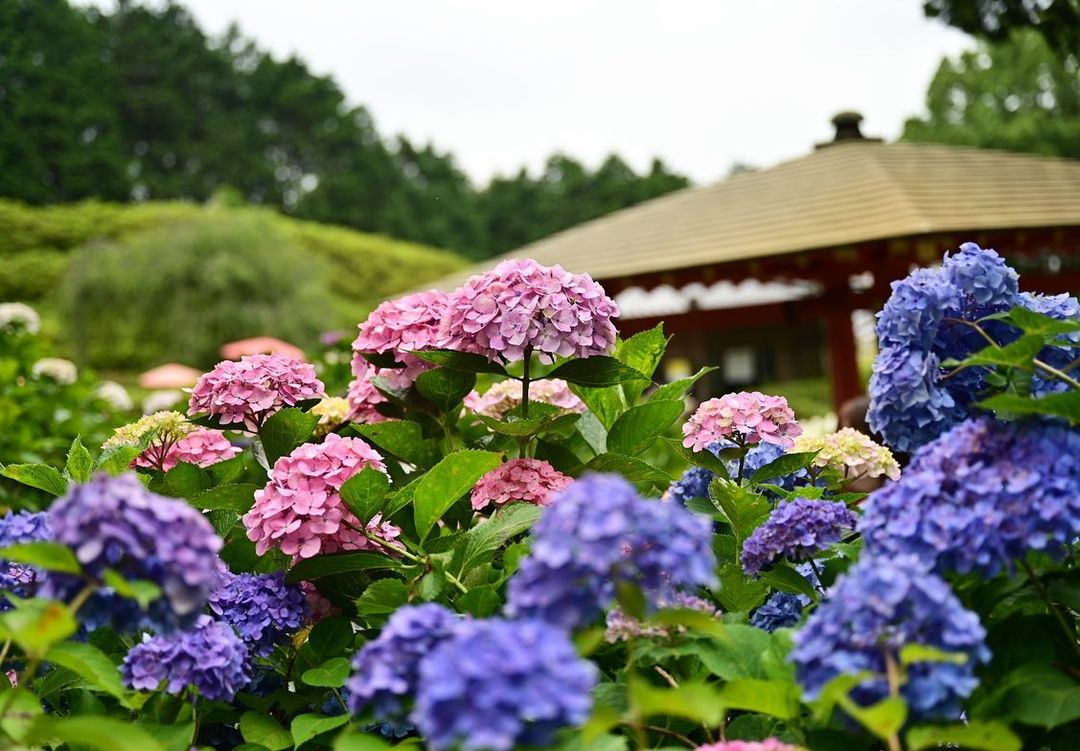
781,610
497,685
262,608
796,530
981,496
597,532
387,668
116,523
695,481
878,607
1067,346
210,658
16,528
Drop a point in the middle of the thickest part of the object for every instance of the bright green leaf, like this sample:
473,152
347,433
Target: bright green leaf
634,470
365,493
979,736
50,556
231,496
403,439
40,476
21,707
445,388
783,465
360,742
285,430
638,426
699,702
309,569
142,591
446,482
778,699
307,726
678,389
261,728
331,674
79,463
597,372
1065,404
35,625
492,534
90,664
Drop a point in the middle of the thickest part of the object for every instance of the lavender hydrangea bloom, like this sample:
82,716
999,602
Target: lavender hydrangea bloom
210,657
981,496
115,523
796,530
386,670
497,685
598,532
881,605
16,528
262,608
781,610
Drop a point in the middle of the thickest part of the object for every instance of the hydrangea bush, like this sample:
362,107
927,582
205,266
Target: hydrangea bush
466,548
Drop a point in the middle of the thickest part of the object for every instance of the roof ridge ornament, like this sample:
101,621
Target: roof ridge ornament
847,130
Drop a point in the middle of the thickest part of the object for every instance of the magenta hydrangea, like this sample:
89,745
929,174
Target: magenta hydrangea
521,306
202,447
527,480
249,390
506,395
747,417
300,511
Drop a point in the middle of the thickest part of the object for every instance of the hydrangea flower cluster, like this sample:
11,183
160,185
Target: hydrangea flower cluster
982,495
526,480
18,318
333,412
172,439
781,610
56,369
745,418
406,324
879,606
796,530
851,454
386,670
202,447
116,523
621,626
769,744
300,511
362,395
247,391
262,608
521,306
115,395
1062,307
163,427
497,685
210,657
598,532
695,481
506,395
16,528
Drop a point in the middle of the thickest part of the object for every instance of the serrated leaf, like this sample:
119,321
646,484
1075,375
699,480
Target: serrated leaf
679,388
260,728
634,429
40,476
597,372
232,496
1031,322
605,404
1017,354
979,736
48,556
284,430
382,597
783,465
365,493
643,352
117,460
465,362
79,463
446,482
185,480
530,426
90,664
738,592
743,509
307,726
310,569
403,439
331,674
445,388
1066,405
492,534
634,470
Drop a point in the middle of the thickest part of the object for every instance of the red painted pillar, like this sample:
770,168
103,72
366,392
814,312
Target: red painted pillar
843,366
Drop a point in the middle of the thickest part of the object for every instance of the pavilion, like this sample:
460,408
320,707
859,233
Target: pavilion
786,254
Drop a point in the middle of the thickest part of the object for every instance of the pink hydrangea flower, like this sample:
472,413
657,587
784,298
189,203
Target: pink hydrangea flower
407,324
769,744
506,395
300,511
747,417
522,306
528,480
363,397
201,447
318,606
249,390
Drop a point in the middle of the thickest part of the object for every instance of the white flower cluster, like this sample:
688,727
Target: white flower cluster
18,318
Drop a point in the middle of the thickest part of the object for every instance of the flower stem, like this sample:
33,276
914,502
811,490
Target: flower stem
525,381
1060,375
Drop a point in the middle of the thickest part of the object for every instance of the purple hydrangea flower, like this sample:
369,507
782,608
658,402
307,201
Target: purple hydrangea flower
598,532
386,670
210,657
497,685
796,530
16,528
880,606
781,610
981,496
262,608
116,523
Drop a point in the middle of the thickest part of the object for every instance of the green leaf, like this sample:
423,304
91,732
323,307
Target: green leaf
383,597
533,425
883,719
1040,695
365,493
331,674
261,728
981,736
735,650
1066,405
360,742
1031,322
463,361
445,388
638,426
743,509
694,701
285,430
605,404
35,625
705,459
642,352
446,482
678,389
596,372
492,534
1017,354
50,556
310,569
90,664
775,698
785,464
479,602
117,459
738,592
911,654
403,439
232,496
185,481
40,476
142,591
307,726
21,708
96,732
634,470
787,579
178,736
79,463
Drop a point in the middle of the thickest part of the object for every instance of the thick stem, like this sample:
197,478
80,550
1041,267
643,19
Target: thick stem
1055,611
526,363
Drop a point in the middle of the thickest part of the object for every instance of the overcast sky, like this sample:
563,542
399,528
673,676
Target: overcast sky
699,83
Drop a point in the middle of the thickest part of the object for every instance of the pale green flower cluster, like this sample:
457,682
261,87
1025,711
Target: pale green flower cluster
332,412
166,427
852,454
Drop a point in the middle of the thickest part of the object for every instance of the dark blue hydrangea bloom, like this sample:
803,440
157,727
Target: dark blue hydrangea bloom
796,530
781,610
881,605
981,496
695,481
386,670
497,685
262,608
15,528
116,523
210,657
597,532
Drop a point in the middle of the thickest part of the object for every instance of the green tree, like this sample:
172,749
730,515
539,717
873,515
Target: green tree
1016,95
1057,21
